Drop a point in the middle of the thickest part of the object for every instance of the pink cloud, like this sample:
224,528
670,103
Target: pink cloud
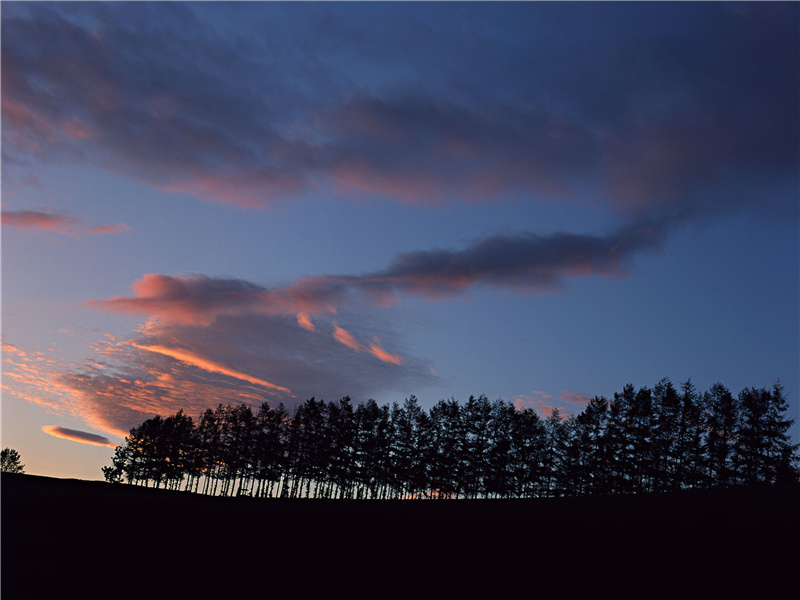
31,220
41,221
543,403
199,300
535,402
34,377
345,337
34,130
576,399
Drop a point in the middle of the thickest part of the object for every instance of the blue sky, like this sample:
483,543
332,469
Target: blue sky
249,202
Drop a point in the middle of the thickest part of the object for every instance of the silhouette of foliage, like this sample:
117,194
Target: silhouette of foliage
10,460
643,440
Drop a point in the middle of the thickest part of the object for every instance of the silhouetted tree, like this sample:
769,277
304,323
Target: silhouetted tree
782,460
722,422
476,416
643,440
665,427
688,452
592,438
446,449
10,460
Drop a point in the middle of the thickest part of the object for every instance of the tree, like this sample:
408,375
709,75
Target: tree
753,435
722,423
643,440
119,462
690,439
11,461
667,426
591,424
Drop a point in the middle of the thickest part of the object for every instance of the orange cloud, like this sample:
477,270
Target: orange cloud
345,337
305,321
377,351
78,436
212,367
9,349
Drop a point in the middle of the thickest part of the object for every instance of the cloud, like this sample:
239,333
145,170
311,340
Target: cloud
567,403
108,229
34,377
304,320
526,262
348,339
345,337
51,222
576,399
212,367
228,339
367,104
378,352
244,358
78,436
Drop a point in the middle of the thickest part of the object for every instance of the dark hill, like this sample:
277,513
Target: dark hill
87,539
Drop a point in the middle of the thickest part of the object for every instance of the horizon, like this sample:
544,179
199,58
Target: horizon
264,202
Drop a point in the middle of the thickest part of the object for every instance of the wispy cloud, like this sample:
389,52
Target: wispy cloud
33,376
348,339
53,222
251,358
211,366
78,436
682,128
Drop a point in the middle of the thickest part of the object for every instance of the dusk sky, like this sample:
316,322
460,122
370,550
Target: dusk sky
209,203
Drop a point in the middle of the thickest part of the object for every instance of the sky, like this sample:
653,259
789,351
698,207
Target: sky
209,203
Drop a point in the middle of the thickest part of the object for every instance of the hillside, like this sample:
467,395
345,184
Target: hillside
102,540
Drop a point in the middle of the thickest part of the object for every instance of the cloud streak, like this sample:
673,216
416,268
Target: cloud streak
53,222
78,436
196,360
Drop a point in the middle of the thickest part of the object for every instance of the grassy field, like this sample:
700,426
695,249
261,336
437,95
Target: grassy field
70,538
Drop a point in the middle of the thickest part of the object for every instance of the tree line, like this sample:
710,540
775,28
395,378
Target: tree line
643,440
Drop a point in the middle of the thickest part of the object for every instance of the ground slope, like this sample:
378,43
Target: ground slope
96,540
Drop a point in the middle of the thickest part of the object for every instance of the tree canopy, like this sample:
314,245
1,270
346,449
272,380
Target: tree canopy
10,460
642,440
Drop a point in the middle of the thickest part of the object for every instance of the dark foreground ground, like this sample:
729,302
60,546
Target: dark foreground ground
80,539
